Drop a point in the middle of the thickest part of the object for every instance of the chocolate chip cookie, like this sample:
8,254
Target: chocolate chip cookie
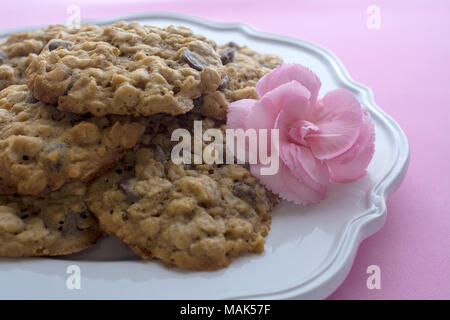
196,217
17,49
244,67
56,224
126,69
42,148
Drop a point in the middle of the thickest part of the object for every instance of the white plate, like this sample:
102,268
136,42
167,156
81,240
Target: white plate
309,250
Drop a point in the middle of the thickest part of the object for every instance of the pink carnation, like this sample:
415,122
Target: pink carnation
321,139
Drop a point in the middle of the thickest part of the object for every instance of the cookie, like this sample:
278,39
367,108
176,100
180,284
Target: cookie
17,49
126,69
196,217
244,67
56,224
42,148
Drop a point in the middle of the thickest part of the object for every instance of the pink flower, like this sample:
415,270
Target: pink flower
321,139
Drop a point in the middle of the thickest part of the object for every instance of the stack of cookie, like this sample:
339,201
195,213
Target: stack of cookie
86,117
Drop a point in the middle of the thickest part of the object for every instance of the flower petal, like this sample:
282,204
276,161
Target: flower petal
286,73
352,164
287,187
339,116
291,97
237,113
304,166
299,159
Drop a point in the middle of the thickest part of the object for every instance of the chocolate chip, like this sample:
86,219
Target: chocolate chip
76,118
57,115
3,84
57,166
232,44
55,44
198,101
56,146
128,190
227,56
3,57
158,152
31,99
224,84
69,86
70,222
193,60
244,191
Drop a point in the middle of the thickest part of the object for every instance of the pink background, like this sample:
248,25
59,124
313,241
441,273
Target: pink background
406,63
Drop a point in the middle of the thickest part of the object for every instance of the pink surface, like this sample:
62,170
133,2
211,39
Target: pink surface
405,62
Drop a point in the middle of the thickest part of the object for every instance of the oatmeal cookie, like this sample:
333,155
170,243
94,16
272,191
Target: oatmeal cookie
17,49
244,67
41,148
56,224
126,69
196,217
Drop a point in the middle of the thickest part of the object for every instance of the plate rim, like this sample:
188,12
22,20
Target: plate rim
330,277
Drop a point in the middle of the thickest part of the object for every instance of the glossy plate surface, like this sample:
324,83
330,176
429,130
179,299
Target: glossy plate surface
309,250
